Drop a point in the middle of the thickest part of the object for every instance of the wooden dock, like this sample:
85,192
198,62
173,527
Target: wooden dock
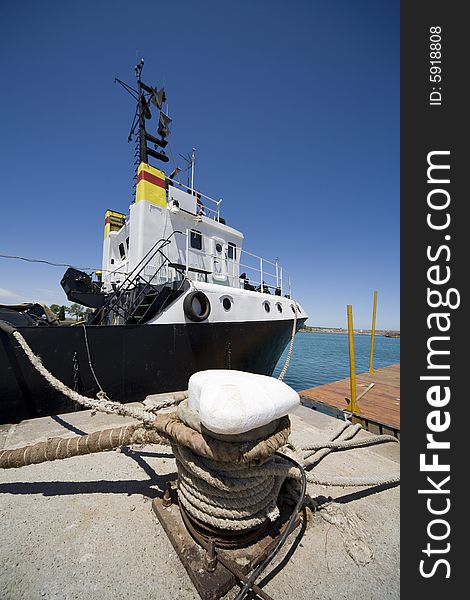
379,407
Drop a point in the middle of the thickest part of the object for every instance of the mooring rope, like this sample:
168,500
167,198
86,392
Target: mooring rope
166,429
226,495
90,363
283,372
60,448
176,398
227,485
101,404
341,439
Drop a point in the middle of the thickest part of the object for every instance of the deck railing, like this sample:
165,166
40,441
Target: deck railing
269,276
249,271
209,208
245,270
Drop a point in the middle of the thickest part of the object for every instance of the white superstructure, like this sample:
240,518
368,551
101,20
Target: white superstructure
200,248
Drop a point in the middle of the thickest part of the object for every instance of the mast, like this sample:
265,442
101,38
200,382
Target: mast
140,109
146,94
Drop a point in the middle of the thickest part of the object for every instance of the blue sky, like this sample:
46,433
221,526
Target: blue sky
293,108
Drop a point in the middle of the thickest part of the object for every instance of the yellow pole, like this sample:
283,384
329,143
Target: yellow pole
372,337
352,366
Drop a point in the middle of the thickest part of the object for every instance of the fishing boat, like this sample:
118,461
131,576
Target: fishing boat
177,294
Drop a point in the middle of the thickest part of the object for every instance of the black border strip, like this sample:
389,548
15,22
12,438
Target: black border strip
429,128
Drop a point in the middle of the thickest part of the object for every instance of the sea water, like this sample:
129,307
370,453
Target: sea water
324,357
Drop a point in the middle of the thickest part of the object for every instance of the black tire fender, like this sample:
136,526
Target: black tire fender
190,312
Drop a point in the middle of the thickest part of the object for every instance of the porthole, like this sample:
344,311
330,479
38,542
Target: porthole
218,247
279,307
226,303
267,306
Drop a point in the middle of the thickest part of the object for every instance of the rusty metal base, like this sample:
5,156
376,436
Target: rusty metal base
212,586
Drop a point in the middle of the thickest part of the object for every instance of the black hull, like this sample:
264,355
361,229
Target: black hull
130,361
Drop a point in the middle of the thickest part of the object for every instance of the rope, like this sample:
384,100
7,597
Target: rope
60,448
283,537
89,360
154,407
227,495
225,451
344,445
342,439
165,428
226,485
101,404
283,372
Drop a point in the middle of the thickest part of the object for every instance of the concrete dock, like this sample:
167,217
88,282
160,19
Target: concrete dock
379,407
84,526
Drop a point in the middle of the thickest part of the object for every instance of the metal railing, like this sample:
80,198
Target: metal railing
268,275
212,211
264,275
117,302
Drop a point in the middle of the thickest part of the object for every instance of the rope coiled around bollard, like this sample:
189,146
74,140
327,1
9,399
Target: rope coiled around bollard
226,495
224,484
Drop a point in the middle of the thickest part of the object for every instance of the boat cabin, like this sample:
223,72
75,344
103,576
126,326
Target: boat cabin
200,246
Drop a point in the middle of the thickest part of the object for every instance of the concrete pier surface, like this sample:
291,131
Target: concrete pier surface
84,527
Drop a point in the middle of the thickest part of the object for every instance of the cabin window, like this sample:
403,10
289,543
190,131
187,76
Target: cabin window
122,252
196,239
232,251
127,243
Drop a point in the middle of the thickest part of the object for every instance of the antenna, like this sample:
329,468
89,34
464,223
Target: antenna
193,160
143,112
189,161
145,96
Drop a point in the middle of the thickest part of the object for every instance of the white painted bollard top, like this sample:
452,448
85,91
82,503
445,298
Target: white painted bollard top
231,402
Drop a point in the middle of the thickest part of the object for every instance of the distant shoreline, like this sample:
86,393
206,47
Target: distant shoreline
384,332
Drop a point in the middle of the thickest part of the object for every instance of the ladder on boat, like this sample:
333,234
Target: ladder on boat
138,299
